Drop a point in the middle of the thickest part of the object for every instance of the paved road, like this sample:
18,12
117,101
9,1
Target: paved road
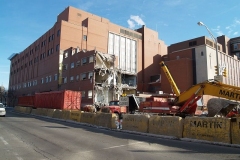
25,137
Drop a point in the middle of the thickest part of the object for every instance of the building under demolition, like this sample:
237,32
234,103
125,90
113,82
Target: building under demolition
88,53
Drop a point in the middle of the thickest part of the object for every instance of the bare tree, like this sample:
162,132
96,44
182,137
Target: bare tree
2,93
12,98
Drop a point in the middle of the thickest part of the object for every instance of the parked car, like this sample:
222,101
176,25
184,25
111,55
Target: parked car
2,110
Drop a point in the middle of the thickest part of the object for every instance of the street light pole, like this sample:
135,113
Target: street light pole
216,42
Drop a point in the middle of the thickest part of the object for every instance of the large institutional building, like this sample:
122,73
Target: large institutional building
88,53
193,61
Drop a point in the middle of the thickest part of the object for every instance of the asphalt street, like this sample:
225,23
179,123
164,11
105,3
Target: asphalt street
27,137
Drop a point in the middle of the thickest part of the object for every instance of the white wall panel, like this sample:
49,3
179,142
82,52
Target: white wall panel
123,53
128,55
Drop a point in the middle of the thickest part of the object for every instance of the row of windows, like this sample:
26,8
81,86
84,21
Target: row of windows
37,47
83,76
34,82
89,94
83,61
36,59
48,79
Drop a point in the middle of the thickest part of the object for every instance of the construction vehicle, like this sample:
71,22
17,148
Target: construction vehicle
185,103
125,104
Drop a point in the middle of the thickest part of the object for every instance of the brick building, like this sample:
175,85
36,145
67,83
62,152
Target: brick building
88,53
192,61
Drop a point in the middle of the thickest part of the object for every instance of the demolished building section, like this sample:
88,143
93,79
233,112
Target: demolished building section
110,80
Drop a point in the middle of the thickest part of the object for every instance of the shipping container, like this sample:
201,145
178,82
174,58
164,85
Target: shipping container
65,100
26,101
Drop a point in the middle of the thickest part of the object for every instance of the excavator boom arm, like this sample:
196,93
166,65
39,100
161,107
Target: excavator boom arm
170,79
213,88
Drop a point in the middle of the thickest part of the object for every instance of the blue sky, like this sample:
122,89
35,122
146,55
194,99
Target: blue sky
24,21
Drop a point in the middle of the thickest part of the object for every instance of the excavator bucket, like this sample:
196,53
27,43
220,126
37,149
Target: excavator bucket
217,106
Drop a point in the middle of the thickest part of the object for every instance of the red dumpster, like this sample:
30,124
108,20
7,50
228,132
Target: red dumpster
65,100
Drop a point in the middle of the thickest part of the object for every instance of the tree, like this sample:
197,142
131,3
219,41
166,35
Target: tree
2,93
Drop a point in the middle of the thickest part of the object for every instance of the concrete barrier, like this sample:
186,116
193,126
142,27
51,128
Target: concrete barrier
87,117
34,111
39,111
28,110
74,115
50,112
105,120
17,108
42,111
207,128
22,109
137,123
66,114
164,125
57,114
235,130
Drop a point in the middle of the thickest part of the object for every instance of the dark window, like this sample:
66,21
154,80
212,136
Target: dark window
58,32
85,37
193,43
57,47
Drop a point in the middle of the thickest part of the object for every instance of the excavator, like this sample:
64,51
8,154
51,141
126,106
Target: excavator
185,103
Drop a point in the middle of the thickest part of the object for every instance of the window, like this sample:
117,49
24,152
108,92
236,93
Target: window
42,80
202,53
84,60
90,75
85,37
235,46
55,77
58,33
90,94
52,36
177,57
90,59
35,82
57,47
78,63
49,78
64,79
66,55
77,77
73,52
193,43
49,39
65,67
71,79
52,51
82,93
72,65
49,52
83,76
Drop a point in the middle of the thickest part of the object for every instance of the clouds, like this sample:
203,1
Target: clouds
86,6
135,21
230,30
218,31
232,27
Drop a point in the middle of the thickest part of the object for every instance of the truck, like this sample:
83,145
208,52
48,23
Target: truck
125,104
